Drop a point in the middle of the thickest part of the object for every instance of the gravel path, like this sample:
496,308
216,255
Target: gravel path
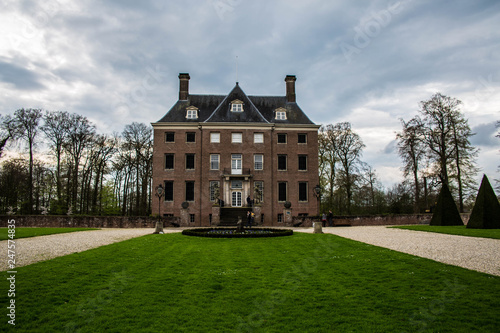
479,254
35,249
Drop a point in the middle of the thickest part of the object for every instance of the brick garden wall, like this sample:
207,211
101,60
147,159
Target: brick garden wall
149,222
87,221
371,220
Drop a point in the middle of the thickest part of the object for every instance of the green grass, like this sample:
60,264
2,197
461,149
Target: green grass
300,283
33,232
456,230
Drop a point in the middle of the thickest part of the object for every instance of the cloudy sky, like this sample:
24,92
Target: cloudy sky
366,62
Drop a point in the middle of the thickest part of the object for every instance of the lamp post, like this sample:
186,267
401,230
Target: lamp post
159,193
317,194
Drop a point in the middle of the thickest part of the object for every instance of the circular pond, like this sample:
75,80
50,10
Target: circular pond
235,233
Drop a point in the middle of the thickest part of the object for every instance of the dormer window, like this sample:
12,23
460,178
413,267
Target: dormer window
236,106
191,112
280,114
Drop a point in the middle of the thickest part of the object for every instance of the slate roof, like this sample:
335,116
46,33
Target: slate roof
217,109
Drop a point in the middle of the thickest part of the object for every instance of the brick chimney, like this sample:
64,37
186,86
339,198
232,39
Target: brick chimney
183,86
290,88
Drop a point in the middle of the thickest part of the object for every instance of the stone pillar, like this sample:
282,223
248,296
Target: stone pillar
215,215
318,228
184,217
287,216
257,210
159,227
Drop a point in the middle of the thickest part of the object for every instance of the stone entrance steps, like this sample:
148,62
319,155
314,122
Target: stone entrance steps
229,216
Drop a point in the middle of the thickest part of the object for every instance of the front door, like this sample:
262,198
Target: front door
236,199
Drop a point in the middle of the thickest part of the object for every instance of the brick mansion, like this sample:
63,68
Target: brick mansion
220,155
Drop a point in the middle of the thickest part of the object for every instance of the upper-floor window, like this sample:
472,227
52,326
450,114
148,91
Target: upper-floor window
258,161
258,138
236,106
215,137
302,138
282,163
190,161
170,137
191,112
169,161
214,161
281,137
303,162
236,137
190,137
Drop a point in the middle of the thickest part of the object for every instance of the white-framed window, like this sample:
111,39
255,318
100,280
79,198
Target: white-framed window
214,161
192,114
215,137
258,161
280,115
258,138
236,137
236,163
236,106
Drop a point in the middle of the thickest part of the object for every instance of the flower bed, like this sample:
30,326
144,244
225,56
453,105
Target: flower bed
234,233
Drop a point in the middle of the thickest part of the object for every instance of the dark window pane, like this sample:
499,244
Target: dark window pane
282,191
302,138
302,162
189,161
189,191
281,162
169,137
282,138
190,137
169,161
169,190
302,191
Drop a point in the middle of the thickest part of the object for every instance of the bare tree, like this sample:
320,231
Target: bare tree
56,129
327,160
412,150
438,115
24,126
80,135
348,151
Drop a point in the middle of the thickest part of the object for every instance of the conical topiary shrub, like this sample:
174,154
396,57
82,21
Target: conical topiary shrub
486,211
446,212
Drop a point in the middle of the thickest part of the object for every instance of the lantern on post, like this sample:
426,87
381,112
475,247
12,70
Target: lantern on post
159,192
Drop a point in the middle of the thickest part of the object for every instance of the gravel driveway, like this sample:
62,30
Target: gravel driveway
480,254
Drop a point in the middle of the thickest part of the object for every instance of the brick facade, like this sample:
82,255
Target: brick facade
185,157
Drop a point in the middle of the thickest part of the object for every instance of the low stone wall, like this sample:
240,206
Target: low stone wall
150,222
88,221
369,220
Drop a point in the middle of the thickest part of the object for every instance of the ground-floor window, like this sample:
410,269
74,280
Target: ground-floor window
280,218
236,199
189,191
191,218
303,191
282,189
169,190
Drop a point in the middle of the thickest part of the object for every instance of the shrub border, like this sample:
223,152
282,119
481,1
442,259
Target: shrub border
202,232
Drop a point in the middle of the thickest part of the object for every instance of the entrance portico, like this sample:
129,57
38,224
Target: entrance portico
236,186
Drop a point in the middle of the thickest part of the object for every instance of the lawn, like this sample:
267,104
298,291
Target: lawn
299,283
33,232
456,230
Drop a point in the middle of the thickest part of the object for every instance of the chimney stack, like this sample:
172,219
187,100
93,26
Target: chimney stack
183,86
290,88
